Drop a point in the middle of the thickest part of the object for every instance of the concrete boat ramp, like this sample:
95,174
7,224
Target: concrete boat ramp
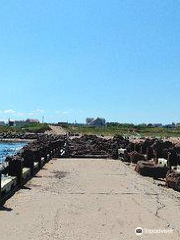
89,199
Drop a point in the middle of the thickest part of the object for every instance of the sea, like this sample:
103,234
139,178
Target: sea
9,149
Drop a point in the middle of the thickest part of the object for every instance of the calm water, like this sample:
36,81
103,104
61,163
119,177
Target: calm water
9,149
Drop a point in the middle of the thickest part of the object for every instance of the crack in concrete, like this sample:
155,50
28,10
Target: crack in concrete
160,207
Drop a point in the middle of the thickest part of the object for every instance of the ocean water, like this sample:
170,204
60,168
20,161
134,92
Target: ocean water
9,149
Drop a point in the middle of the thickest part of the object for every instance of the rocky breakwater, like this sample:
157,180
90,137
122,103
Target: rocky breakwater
29,161
155,158
152,157
19,136
32,157
91,146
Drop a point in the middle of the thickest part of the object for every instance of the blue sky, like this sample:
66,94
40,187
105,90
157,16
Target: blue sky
68,60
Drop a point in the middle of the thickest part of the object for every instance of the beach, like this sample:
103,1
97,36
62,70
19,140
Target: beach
74,199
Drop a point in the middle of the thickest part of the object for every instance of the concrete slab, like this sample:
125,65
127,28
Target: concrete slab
76,199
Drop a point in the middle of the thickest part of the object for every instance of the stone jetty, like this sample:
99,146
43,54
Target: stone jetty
152,157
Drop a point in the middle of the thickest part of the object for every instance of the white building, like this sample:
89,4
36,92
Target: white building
97,122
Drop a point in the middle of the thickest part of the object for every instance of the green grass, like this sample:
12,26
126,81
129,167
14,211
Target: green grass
110,130
30,127
7,129
36,127
124,129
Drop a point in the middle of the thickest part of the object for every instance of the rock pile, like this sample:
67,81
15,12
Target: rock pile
45,146
135,157
173,180
92,146
144,153
30,159
156,158
89,146
150,169
20,136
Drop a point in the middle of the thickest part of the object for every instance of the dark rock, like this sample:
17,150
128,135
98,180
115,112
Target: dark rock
135,157
173,180
150,169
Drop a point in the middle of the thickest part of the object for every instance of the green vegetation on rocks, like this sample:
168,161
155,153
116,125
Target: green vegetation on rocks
29,127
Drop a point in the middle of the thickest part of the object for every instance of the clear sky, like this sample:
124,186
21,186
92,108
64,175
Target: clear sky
72,59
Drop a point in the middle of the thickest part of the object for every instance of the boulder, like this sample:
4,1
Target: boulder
135,157
173,180
150,169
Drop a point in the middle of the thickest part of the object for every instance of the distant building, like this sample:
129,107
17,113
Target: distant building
173,124
97,122
157,125
168,126
89,120
2,123
20,123
11,123
32,120
177,125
